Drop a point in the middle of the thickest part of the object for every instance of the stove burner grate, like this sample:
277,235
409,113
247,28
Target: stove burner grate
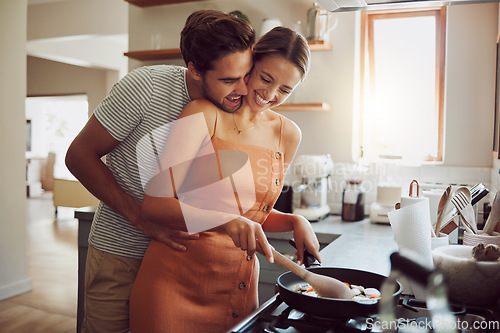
278,317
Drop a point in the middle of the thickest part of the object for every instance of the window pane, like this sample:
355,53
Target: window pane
400,116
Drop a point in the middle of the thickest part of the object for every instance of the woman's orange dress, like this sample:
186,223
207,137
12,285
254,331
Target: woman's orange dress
213,285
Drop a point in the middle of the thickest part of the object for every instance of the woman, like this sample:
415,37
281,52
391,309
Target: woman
229,188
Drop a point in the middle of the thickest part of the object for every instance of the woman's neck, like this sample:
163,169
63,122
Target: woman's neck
245,114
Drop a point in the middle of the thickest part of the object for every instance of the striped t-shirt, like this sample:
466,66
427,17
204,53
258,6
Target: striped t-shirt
138,112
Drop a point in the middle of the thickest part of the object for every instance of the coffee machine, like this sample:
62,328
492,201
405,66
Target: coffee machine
313,173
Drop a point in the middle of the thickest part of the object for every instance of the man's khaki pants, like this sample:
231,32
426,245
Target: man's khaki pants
108,281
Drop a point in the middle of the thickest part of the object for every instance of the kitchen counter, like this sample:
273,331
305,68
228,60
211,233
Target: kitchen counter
358,245
361,245
84,216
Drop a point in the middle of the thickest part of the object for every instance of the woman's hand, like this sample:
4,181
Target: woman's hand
249,236
305,238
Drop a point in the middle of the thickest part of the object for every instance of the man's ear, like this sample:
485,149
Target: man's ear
194,72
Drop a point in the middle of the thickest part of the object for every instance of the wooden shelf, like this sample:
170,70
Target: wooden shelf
154,54
176,53
150,3
302,107
319,45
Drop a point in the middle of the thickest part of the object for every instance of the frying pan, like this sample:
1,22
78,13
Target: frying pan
332,307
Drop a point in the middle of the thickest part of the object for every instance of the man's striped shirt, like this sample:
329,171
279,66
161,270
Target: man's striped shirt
137,112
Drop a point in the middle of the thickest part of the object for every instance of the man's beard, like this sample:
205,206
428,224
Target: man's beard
225,108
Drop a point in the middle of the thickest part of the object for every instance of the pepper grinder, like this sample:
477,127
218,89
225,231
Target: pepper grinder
353,201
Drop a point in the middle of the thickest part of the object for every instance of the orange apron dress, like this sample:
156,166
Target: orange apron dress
213,285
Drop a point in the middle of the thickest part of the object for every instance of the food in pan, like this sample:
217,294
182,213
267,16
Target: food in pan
360,294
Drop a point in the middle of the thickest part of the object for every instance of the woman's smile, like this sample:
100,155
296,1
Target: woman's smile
260,101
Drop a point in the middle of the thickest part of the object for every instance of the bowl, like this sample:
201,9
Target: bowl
468,281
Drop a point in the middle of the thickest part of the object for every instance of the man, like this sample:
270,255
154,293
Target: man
216,48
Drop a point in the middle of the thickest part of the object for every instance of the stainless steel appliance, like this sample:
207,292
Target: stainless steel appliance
314,173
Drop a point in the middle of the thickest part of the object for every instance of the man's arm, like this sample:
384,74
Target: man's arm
83,159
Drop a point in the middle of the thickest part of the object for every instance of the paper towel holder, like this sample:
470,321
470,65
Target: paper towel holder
412,185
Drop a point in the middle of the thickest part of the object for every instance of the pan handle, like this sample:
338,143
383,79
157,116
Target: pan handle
309,259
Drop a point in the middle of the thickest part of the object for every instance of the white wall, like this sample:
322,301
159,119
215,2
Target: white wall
470,84
471,53
13,276
90,33
47,77
76,18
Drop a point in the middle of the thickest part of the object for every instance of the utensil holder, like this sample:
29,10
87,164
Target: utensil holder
474,239
441,240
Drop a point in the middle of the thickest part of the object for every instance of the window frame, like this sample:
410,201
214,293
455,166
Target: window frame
367,44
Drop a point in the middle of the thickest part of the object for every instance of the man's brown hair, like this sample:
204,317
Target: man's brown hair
209,35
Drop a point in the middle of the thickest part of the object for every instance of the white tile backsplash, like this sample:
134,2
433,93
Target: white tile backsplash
434,174
463,175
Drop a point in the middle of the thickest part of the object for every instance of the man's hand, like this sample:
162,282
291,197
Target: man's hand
159,232
165,234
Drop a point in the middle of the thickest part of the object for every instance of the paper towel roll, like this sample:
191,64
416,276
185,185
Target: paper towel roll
407,201
411,225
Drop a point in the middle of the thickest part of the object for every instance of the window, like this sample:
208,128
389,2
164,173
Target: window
402,85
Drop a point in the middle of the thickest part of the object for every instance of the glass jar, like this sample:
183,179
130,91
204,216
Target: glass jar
353,201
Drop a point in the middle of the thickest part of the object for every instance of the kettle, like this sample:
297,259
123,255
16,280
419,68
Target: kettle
319,23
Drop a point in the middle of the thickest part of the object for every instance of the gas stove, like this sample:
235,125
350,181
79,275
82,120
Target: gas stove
412,316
